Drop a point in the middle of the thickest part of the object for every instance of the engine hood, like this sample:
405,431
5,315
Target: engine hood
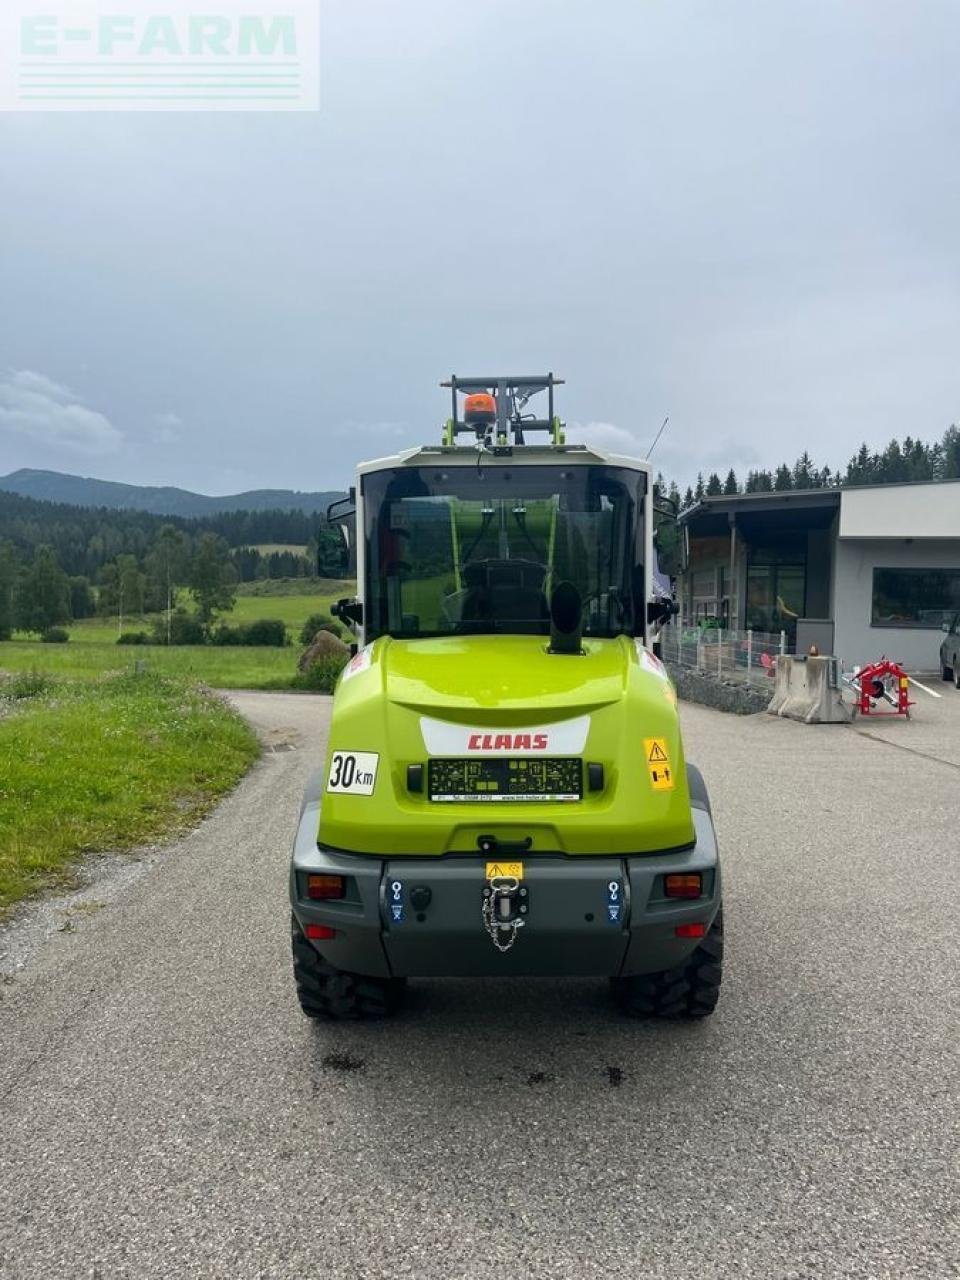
486,678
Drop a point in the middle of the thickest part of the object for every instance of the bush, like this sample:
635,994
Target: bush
26,684
184,629
134,637
319,622
264,631
55,635
322,676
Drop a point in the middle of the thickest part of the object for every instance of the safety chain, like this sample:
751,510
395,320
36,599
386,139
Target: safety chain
495,929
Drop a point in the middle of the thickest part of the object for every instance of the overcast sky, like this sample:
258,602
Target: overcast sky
745,215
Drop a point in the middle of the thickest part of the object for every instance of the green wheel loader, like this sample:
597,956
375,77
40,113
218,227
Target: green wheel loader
505,790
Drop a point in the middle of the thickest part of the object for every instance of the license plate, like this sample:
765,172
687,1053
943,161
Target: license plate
505,781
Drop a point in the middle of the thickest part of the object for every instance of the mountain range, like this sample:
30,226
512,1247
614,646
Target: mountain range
84,491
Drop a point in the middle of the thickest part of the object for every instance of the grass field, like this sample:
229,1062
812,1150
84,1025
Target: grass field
271,548
224,667
334,588
106,764
293,609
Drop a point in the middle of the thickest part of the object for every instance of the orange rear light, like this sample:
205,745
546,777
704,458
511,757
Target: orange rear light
687,885
323,886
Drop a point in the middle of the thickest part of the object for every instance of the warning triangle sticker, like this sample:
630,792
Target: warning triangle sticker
657,753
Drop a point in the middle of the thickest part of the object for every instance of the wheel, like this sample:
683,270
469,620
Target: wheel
327,992
946,673
689,991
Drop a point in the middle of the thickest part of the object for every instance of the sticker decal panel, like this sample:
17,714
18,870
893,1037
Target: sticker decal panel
353,773
395,907
614,902
565,738
657,755
650,662
359,662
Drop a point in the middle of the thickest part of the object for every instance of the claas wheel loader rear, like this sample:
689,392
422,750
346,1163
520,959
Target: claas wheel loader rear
504,790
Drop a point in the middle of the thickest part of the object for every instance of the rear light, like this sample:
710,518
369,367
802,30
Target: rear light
688,885
323,887
320,932
690,930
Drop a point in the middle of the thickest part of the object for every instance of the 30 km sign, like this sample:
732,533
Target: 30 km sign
353,773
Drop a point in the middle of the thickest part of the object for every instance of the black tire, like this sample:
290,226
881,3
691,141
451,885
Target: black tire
689,991
946,673
327,992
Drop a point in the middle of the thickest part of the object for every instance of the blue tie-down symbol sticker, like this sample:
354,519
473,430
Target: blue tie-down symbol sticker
395,901
614,902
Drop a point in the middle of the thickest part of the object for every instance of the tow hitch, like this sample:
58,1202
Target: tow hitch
503,908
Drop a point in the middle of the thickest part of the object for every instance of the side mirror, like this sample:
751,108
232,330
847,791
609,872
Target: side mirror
662,610
348,611
670,543
333,558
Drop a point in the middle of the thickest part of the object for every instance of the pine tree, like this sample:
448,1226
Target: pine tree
731,485
714,487
804,476
951,453
43,596
9,572
783,479
167,566
699,492
211,577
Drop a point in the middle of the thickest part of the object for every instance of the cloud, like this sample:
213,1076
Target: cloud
679,459
35,406
166,428
608,437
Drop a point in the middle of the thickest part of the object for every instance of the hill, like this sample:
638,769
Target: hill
84,491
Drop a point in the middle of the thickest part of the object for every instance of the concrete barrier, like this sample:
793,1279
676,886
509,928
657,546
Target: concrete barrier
803,692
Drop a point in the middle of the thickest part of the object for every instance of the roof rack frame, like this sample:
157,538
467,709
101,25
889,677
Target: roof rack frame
506,391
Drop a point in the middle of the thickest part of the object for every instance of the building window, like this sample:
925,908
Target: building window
775,597
914,597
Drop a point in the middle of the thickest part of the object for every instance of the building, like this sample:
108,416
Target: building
860,572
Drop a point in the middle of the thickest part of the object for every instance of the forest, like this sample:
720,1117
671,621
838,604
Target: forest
900,462
60,563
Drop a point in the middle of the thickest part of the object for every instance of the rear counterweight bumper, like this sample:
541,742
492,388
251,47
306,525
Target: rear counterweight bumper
590,916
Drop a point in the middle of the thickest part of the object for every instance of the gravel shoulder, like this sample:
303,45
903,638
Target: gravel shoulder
166,1111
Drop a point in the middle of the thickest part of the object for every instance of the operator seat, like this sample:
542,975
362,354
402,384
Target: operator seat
509,591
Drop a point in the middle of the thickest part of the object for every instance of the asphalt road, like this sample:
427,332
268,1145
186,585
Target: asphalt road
166,1111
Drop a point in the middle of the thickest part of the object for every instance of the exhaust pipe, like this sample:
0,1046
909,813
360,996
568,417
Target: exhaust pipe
566,619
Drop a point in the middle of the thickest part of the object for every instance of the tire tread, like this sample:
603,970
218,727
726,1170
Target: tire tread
327,992
690,990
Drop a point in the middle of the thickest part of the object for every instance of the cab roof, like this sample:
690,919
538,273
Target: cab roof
437,455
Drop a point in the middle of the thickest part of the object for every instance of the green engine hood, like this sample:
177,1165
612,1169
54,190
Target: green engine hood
493,679
405,700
